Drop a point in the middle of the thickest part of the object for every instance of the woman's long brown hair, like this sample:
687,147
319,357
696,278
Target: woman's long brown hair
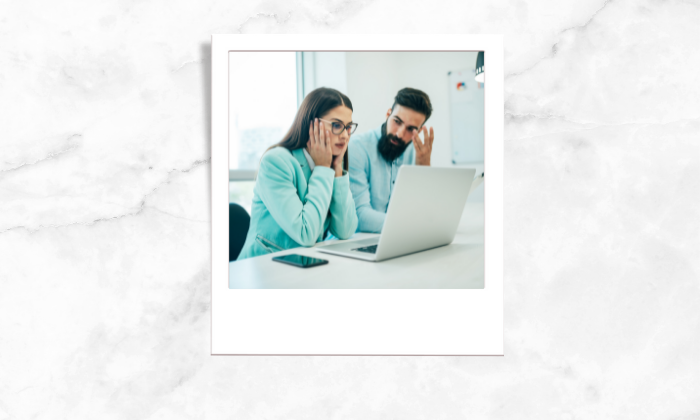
316,104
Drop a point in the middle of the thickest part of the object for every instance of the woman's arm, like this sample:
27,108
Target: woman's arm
343,213
302,221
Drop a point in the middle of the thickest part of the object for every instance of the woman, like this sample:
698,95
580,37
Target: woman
303,189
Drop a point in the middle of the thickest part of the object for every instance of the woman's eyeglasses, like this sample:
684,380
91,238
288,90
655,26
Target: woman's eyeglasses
338,128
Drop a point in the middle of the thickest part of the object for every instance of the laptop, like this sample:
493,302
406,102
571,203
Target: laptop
424,212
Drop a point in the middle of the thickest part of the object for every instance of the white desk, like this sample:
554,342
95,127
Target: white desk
459,265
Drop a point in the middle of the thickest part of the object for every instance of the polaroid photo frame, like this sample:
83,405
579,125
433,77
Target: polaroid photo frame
358,321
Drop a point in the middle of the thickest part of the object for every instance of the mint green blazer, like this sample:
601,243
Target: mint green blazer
291,203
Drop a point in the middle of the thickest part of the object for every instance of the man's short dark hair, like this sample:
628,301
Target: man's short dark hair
415,99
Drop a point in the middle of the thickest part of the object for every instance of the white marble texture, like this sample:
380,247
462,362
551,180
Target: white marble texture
105,223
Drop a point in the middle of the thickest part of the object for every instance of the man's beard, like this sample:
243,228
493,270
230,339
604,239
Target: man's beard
388,150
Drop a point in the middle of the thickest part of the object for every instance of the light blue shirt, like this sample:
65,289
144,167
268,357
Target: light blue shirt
372,178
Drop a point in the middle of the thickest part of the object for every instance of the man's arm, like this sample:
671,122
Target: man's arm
369,220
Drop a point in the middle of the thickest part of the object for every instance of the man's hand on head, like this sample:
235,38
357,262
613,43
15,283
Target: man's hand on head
425,147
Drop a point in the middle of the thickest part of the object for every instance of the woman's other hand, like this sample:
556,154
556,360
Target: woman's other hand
319,145
338,165
338,162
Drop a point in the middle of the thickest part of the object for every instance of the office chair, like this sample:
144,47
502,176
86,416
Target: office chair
238,224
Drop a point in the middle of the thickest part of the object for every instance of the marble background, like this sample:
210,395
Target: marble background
105,223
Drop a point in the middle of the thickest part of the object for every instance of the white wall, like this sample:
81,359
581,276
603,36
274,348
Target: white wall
371,87
324,69
373,78
331,70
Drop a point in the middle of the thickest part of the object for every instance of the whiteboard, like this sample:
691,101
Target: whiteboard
466,117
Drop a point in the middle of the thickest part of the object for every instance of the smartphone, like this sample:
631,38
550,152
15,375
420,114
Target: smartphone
300,260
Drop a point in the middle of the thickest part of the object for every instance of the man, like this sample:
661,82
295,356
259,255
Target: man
375,156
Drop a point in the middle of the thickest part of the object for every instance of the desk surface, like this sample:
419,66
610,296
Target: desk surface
459,265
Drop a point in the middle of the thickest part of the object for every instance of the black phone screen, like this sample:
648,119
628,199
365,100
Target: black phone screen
300,260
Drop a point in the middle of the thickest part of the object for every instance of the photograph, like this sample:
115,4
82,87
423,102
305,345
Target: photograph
356,170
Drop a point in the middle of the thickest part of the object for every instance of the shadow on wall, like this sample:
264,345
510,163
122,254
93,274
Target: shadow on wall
205,53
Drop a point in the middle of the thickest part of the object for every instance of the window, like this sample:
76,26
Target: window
262,106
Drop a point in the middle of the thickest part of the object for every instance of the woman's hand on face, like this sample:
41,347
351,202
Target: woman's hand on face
319,144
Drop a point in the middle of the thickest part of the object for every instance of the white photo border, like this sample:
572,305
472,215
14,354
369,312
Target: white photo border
358,322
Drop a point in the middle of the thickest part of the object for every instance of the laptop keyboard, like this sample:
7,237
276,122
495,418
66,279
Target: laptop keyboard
372,249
